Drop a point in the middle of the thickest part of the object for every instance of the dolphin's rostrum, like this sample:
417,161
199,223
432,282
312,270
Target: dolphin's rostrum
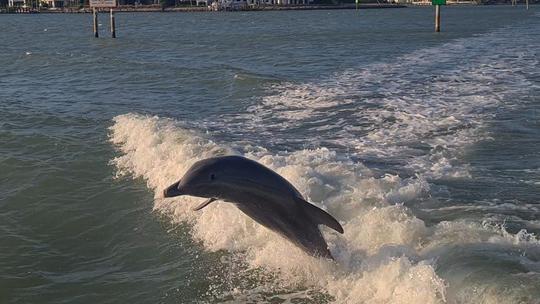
261,194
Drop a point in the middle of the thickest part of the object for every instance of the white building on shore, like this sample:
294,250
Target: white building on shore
35,3
239,4
55,3
448,2
17,3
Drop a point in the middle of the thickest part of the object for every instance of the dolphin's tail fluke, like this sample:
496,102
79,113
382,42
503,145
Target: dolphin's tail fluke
319,216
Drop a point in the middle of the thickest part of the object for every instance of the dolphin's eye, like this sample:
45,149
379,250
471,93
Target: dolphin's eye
212,176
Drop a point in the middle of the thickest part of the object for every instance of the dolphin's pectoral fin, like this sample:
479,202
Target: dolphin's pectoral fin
204,204
320,216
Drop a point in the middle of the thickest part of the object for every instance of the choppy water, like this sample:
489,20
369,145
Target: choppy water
425,146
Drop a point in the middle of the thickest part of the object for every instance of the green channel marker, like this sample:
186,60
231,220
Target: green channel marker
438,4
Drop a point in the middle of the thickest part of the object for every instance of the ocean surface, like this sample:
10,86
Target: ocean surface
425,146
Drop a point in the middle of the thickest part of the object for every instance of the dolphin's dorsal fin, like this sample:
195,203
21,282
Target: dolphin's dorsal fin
320,216
204,204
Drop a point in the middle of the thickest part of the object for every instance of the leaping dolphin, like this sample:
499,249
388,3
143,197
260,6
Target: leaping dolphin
261,194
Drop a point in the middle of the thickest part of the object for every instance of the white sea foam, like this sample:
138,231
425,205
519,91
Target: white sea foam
387,255
406,110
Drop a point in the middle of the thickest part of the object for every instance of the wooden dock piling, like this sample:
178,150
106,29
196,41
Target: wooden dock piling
113,25
103,4
96,25
437,18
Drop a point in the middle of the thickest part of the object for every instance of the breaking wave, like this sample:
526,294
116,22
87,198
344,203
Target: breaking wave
387,254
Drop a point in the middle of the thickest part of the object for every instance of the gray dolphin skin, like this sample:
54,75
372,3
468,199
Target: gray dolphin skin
261,194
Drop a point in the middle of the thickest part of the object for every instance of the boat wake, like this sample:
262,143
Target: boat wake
387,254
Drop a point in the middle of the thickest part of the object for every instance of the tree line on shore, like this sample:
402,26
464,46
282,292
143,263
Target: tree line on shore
167,3
171,3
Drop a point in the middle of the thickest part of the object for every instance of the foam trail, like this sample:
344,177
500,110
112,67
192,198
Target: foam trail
160,151
387,255
419,113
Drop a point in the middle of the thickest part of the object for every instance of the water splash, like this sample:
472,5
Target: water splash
387,254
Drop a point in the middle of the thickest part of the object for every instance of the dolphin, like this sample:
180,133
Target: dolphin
261,194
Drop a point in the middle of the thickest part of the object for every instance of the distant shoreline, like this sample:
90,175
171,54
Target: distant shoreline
154,8
185,9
